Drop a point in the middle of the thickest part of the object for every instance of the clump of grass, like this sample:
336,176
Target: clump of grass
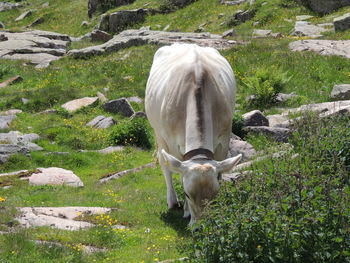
290,210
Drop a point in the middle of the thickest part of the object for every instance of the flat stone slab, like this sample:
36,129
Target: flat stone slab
57,217
303,28
37,46
5,121
77,104
341,92
101,122
4,6
55,176
129,38
323,47
241,147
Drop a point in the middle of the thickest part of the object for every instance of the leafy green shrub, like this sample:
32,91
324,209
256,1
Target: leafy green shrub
265,85
172,5
134,132
237,124
290,210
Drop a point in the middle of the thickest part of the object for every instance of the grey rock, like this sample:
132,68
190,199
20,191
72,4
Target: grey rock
341,92
9,149
135,99
99,35
244,16
55,176
255,118
279,134
24,15
121,106
343,111
2,25
258,33
57,217
236,2
11,112
129,38
3,158
3,37
303,28
235,137
102,122
6,120
25,101
45,5
74,105
283,97
37,21
229,33
16,173
4,6
342,23
323,47
84,24
241,147
277,120
319,107
139,114
326,6
94,5
108,150
120,20
303,17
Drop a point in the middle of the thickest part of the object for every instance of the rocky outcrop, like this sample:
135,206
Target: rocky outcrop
119,106
99,35
325,6
304,28
104,5
341,92
342,23
129,38
323,47
118,21
55,176
39,47
4,6
74,105
255,118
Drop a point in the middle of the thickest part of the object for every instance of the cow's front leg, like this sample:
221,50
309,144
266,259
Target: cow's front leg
171,194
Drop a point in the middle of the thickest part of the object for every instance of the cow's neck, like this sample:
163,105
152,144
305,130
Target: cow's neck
199,126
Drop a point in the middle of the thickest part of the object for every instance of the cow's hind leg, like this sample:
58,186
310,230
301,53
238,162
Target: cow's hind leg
186,210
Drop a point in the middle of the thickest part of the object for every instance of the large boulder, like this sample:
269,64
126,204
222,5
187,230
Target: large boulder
120,106
255,118
55,176
325,6
120,20
303,28
341,92
241,147
104,5
342,23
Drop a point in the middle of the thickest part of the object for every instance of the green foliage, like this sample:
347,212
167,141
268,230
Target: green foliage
172,5
237,124
287,210
134,132
4,70
265,85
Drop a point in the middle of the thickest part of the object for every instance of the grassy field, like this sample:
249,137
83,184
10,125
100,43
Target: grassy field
154,233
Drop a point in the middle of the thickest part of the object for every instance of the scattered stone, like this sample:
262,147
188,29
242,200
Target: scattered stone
74,105
342,23
135,99
84,24
229,33
94,5
120,20
125,172
2,25
255,118
25,101
341,92
11,112
45,5
121,106
37,21
39,47
283,97
277,119
166,27
238,146
343,111
9,149
102,122
279,134
108,150
24,15
99,35
244,16
303,17
323,47
139,114
129,38
5,121
303,28
55,176
101,97
221,15
3,38
326,6
10,81
236,2
57,217
4,6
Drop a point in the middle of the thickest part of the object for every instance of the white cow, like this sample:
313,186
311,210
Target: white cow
189,102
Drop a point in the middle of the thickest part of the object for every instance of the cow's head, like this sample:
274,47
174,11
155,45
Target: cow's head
200,178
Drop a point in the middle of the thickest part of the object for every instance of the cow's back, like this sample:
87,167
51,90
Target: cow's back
176,71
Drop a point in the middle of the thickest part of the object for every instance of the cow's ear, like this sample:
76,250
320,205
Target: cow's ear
226,165
173,163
